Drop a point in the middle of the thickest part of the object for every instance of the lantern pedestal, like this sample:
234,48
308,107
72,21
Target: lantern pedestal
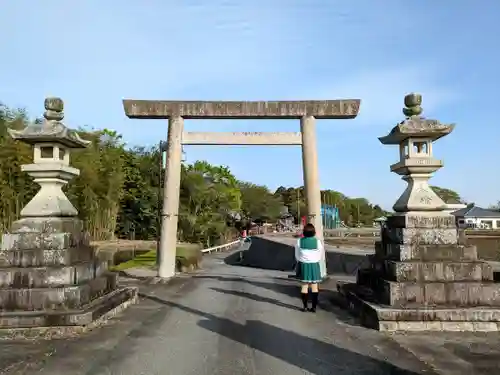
50,200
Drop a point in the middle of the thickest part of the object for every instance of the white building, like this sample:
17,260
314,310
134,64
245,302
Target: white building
477,217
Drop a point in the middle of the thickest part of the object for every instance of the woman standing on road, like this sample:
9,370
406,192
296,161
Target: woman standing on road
308,253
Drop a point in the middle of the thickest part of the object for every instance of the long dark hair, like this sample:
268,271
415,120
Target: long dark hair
309,230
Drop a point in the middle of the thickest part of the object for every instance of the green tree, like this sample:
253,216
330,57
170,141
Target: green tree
447,195
209,194
118,192
16,187
495,206
352,211
258,203
139,205
98,190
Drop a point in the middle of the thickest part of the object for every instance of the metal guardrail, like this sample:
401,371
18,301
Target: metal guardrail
220,247
347,233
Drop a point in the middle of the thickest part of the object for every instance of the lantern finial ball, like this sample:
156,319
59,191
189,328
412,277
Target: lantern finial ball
53,109
413,103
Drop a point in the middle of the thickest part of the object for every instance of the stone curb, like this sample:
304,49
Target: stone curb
57,332
151,276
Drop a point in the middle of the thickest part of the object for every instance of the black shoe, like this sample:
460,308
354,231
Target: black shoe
312,309
314,301
304,297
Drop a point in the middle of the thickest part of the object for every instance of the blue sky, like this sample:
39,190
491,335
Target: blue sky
95,53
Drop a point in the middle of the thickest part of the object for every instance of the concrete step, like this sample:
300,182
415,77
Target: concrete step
60,298
438,271
443,318
38,323
476,293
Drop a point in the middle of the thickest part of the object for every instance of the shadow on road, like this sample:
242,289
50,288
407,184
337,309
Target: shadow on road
311,355
256,297
290,288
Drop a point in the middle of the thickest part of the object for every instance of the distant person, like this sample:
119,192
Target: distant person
243,236
308,253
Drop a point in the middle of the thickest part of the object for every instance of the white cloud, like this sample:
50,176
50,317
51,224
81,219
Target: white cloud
165,48
382,91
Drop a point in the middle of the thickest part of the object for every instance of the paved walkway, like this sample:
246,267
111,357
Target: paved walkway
235,320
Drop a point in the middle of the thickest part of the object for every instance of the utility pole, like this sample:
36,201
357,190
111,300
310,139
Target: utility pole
298,209
183,155
327,212
358,214
161,150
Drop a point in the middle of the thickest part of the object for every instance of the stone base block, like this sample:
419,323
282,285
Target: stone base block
385,318
420,236
401,294
23,324
438,271
420,220
44,241
54,276
430,253
62,298
48,225
42,257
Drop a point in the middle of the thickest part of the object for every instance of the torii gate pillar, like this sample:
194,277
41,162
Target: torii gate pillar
171,195
311,178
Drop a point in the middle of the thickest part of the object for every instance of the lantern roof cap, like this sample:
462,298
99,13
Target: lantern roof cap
415,125
51,129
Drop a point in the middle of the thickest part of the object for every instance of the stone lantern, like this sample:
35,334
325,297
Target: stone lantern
52,142
415,136
422,277
50,275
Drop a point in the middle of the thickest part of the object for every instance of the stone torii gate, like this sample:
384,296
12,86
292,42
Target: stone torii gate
177,111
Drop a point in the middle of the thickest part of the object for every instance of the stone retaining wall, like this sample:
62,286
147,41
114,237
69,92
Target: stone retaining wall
278,253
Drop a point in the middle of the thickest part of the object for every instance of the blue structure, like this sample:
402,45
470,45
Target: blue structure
330,216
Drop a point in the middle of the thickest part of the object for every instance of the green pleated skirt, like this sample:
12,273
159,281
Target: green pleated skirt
309,272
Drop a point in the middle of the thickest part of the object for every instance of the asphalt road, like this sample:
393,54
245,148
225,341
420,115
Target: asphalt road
226,320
